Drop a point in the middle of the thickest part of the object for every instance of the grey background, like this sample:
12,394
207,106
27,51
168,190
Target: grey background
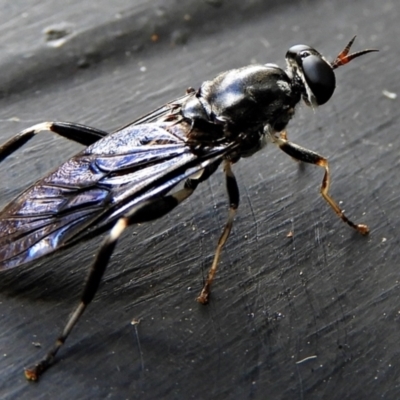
326,293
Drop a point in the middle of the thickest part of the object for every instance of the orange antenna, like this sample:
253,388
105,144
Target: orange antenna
344,57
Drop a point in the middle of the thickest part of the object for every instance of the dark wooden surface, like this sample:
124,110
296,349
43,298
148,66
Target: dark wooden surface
326,293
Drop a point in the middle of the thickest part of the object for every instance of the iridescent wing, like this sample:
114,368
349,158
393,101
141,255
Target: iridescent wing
94,188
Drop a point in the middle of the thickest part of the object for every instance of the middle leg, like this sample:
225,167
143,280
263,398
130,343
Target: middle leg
234,197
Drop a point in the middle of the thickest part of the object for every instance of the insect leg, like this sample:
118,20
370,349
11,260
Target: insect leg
93,281
82,134
308,156
233,194
147,211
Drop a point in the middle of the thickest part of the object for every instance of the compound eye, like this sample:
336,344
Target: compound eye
319,76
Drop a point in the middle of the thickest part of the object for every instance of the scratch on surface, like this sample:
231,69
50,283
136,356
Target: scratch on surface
135,323
300,383
265,43
306,359
252,212
298,372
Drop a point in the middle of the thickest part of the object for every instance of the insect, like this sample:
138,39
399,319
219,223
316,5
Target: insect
128,176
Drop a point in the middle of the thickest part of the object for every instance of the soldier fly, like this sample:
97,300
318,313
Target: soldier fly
126,177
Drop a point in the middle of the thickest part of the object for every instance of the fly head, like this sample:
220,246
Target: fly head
314,74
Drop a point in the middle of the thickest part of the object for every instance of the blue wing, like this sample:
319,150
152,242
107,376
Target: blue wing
96,187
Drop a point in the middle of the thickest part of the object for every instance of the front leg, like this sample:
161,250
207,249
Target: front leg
301,154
